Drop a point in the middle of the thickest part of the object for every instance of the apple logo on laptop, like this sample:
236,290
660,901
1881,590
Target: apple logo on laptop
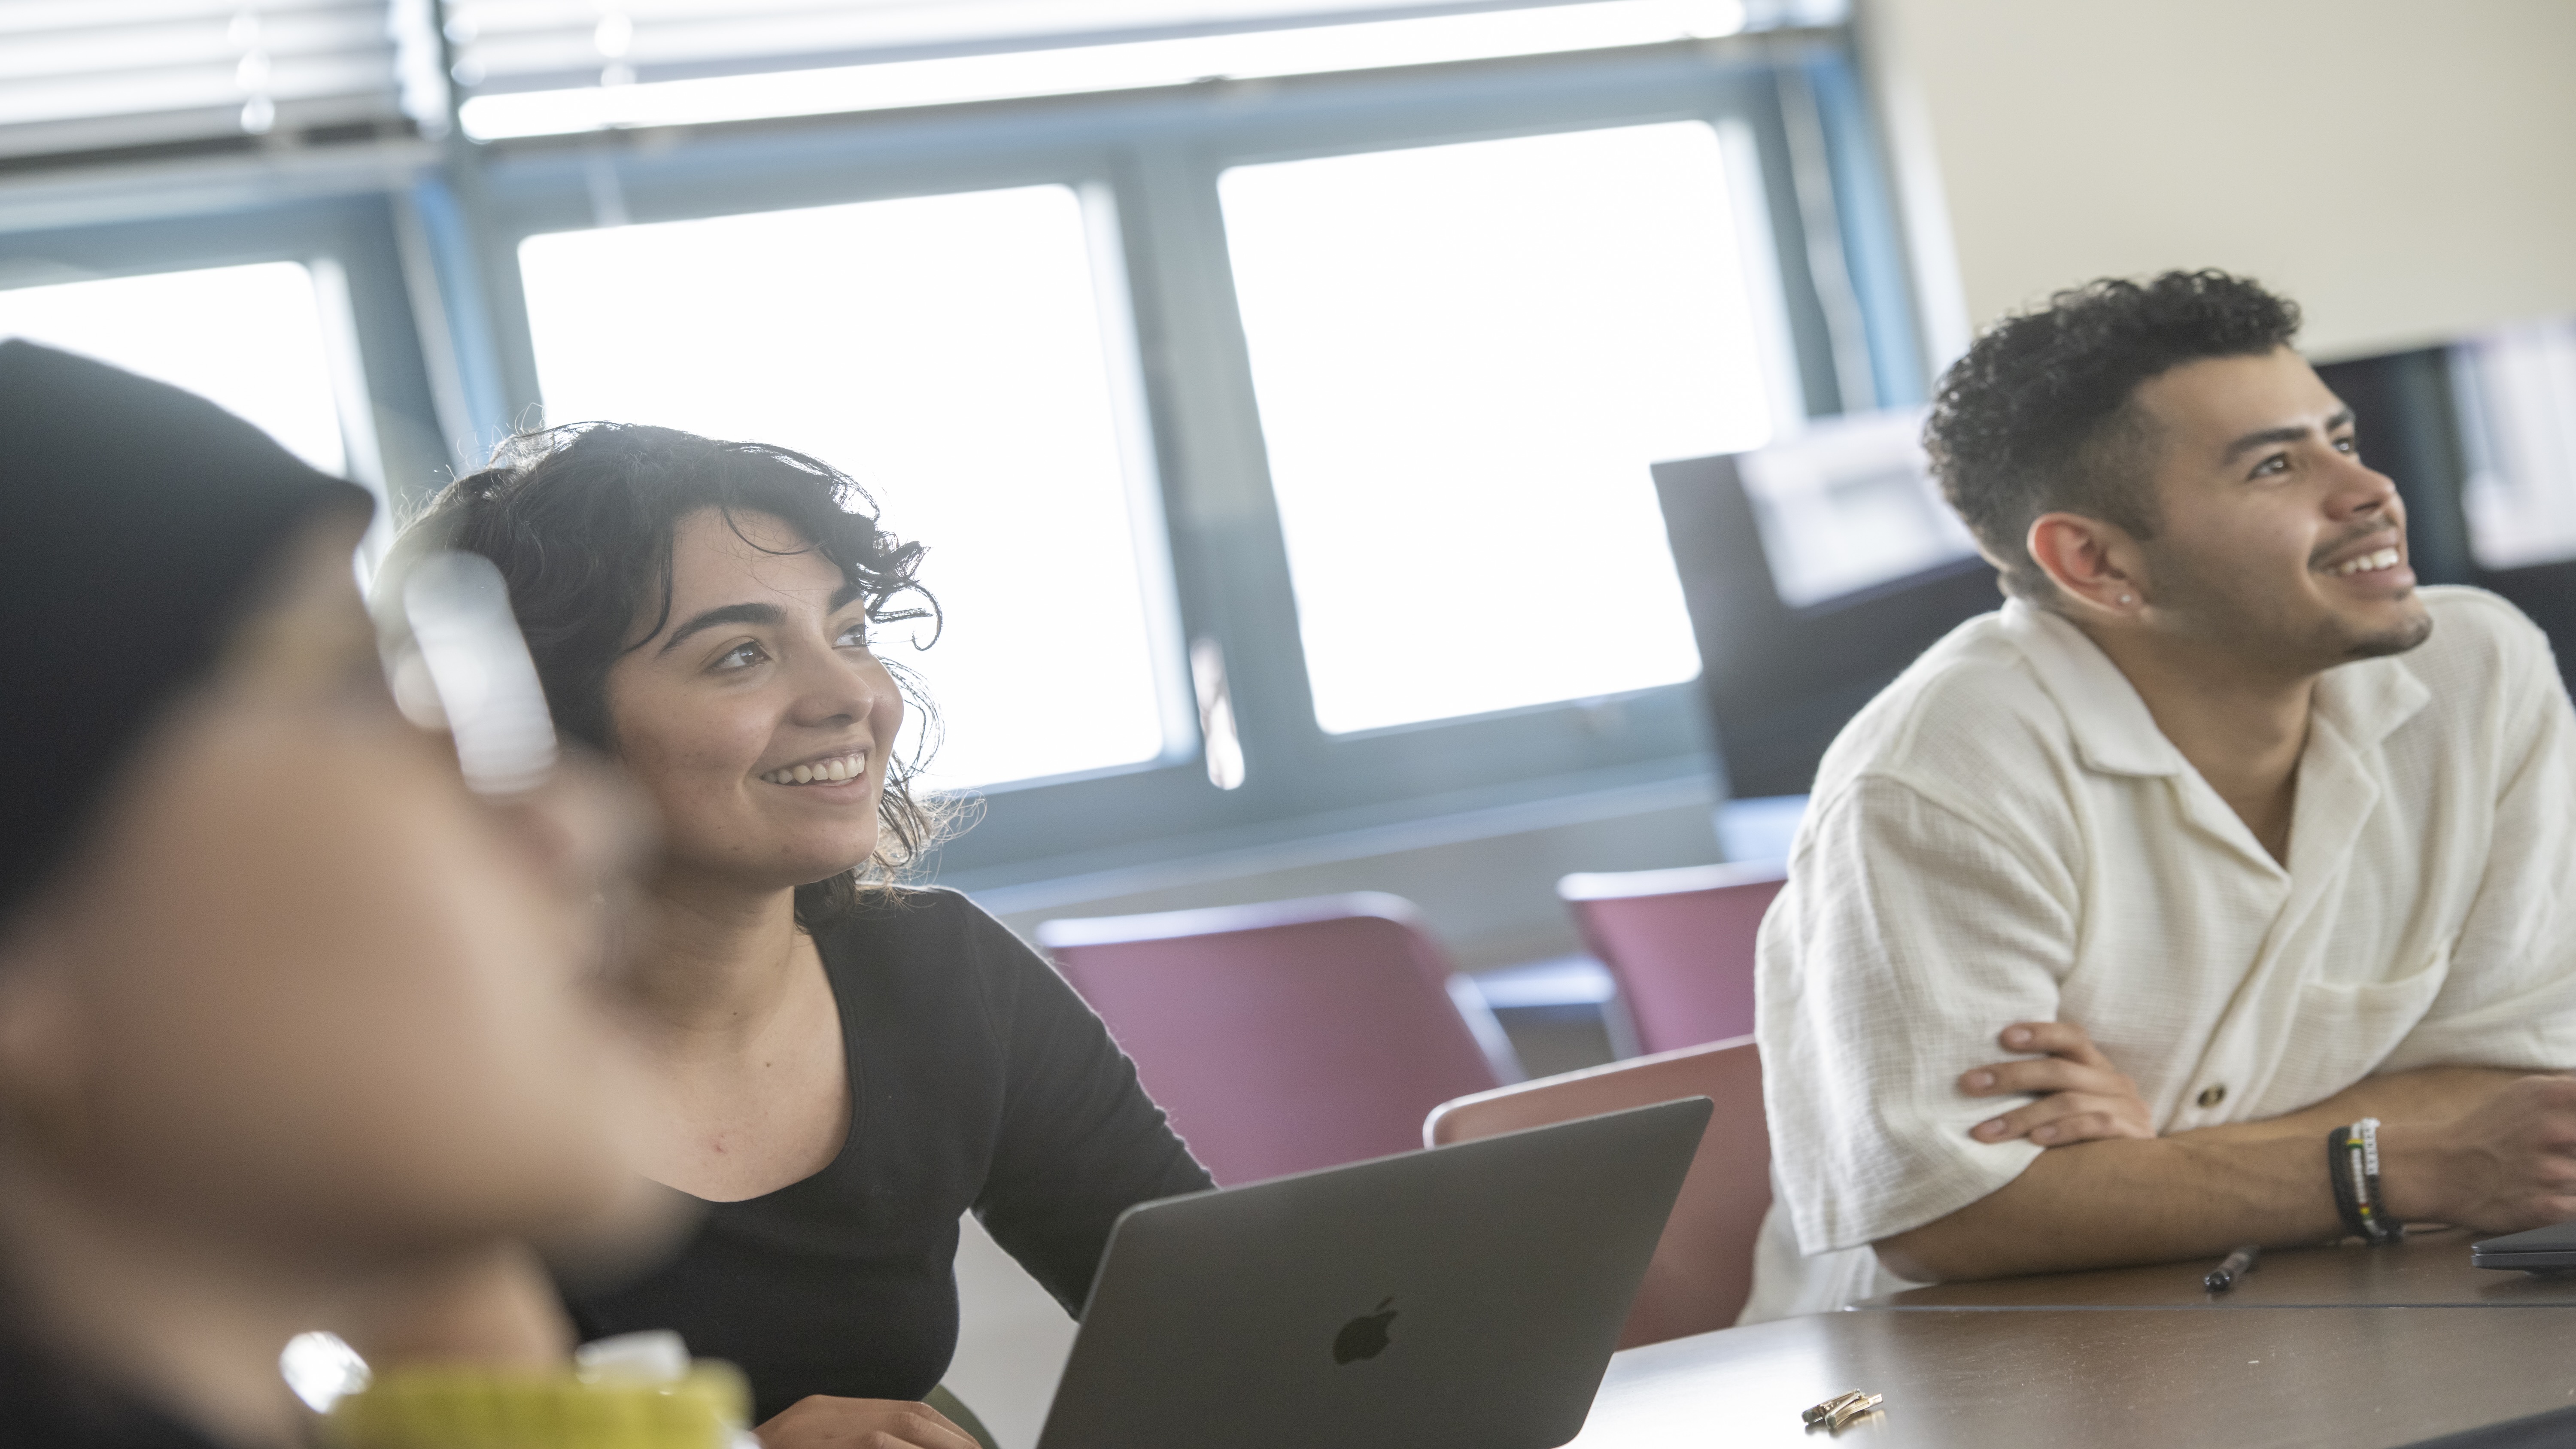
1364,1336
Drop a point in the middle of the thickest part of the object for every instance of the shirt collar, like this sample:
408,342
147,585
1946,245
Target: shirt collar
2363,702
2112,730
2367,700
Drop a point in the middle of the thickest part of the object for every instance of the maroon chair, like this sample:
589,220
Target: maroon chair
1679,943
1286,1036
1703,1267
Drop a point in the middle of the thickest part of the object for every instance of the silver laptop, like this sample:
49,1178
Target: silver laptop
1468,1295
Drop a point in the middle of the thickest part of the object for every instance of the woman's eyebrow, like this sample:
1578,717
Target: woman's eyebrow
729,614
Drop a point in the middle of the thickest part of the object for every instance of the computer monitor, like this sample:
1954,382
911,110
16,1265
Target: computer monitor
1815,570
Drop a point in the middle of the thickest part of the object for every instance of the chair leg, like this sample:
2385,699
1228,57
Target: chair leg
1621,1024
1487,1029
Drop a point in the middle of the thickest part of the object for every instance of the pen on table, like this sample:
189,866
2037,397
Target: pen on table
1826,1410
2238,1264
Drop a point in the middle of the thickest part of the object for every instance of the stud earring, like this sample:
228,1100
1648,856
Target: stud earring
2125,599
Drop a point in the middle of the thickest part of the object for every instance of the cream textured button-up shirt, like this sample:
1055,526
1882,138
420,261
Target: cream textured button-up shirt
2004,835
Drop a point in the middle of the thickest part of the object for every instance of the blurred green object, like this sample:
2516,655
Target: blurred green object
958,1414
450,1406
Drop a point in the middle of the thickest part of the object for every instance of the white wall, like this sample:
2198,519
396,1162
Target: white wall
1012,1340
2406,170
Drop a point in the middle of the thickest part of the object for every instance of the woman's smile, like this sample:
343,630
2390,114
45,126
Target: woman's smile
850,767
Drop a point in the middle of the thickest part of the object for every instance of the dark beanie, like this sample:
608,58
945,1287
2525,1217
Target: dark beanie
136,521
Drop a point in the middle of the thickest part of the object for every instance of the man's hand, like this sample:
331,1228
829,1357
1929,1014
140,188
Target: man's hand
2507,1164
2082,1097
819,1421
2199,1193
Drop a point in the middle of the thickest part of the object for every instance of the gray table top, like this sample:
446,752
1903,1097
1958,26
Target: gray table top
2352,1378
2427,1270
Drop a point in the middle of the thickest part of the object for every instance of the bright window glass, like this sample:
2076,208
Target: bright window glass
249,338
1466,358
950,353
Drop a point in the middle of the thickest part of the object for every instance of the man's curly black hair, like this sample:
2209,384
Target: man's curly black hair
580,519
2041,417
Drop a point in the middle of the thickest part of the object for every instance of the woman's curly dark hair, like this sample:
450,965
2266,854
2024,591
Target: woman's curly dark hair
580,518
2038,417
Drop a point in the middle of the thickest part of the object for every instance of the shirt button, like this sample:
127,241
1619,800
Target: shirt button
2211,1096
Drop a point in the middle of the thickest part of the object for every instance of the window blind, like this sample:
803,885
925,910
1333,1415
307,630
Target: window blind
80,76
511,45
95,75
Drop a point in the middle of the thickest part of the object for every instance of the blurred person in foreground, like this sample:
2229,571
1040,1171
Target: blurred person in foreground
2123,911
291,1026
839,1066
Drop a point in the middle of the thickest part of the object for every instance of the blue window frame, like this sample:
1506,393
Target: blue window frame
428,235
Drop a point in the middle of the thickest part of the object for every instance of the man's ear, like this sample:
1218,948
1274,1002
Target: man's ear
2097,565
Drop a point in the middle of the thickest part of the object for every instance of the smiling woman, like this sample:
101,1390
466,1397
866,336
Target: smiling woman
650,521
758,717
838,1065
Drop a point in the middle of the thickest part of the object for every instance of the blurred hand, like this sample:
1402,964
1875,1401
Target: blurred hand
2500,1167
822,1422
2082,1097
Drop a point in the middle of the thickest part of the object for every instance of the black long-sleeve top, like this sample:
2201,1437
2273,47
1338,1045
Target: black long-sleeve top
977,1080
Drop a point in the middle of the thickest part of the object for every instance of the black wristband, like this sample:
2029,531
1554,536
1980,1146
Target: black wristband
2356,1189
2341,1155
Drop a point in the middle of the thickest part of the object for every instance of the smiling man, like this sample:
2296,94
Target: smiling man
2221,836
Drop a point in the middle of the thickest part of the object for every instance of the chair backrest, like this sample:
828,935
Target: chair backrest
1281,1037
1703,1268
1680,945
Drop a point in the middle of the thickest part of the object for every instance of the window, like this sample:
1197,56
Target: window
950,353
1466,357
1405,346
1338,391
251,338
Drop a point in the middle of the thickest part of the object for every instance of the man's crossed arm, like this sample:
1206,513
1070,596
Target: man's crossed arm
2476,1146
